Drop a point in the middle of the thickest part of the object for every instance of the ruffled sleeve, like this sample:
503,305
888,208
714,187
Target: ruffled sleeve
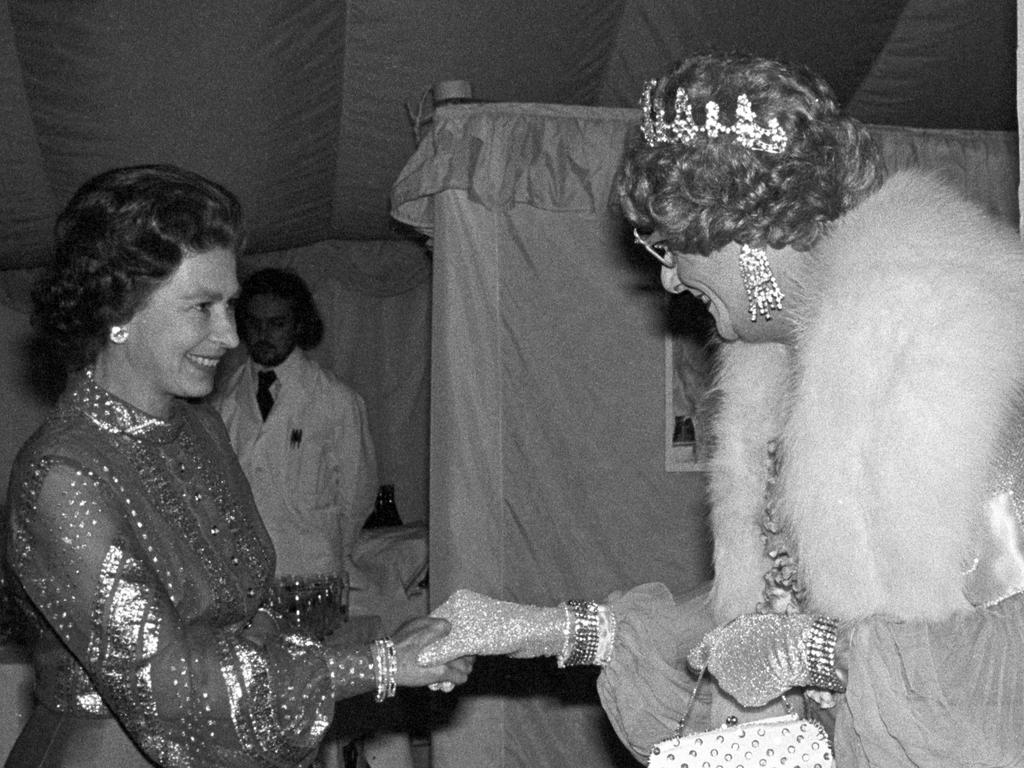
645,687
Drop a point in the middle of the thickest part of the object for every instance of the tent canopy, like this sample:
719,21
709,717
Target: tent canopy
303,107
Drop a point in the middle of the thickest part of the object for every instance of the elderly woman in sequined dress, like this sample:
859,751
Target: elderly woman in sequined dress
132,534
868,454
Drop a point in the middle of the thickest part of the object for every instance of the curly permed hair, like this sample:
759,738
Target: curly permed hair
122,234
708,192
284,285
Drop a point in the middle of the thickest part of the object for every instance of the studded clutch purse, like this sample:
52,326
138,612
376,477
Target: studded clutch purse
785,741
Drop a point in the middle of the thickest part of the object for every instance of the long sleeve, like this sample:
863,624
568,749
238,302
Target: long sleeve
936,693
189,692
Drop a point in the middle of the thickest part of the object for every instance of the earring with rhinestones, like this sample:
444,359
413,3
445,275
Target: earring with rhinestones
763,294
119,334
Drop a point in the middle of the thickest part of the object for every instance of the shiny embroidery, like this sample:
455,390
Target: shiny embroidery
125,630
127,532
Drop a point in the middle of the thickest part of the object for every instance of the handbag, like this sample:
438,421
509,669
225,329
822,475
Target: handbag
784,741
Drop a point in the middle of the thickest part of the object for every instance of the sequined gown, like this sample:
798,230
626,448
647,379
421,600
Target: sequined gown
143,563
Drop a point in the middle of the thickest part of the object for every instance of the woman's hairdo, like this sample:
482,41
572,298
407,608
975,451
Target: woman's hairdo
309,327
711,189
122,234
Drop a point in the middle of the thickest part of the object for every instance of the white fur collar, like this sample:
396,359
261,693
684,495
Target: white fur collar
908,359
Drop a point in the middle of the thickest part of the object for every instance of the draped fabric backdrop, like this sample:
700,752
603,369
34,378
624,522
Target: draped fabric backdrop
547,407
547,457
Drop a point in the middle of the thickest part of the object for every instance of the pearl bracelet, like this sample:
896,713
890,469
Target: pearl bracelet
385,668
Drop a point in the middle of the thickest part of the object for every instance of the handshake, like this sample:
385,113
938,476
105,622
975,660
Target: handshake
755,658
483,626
576,632
438,650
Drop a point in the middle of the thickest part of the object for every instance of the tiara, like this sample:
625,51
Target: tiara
682,129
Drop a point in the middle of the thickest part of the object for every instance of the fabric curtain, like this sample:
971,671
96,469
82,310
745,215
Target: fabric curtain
547,450
547,455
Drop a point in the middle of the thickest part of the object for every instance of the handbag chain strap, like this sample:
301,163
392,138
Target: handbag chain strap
690,703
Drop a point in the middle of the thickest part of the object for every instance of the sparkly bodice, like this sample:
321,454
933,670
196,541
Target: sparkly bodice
140,551
179,489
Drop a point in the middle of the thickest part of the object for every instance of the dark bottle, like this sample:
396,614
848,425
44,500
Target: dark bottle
385,513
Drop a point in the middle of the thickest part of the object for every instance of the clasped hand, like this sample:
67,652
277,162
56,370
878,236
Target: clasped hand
410,640
481,625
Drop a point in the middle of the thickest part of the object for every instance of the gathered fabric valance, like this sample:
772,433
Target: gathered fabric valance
983,164
550,157
556,158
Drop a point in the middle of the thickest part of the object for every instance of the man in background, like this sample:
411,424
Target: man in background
302,436
303,440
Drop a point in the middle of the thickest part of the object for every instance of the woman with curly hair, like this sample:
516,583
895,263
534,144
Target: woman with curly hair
143,567
868,453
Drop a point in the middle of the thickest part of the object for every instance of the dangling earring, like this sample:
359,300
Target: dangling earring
119,334
763,294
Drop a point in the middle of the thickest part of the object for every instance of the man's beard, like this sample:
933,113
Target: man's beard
268,355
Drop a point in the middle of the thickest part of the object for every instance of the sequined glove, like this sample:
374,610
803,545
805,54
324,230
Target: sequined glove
757,658
483,626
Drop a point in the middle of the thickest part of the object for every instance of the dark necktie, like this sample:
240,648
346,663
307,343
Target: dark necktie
264,399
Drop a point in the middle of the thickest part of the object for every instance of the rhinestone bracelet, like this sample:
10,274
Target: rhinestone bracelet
820,644
385,667
584,638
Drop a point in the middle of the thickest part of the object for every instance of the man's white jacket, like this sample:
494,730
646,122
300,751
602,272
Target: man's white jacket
311,464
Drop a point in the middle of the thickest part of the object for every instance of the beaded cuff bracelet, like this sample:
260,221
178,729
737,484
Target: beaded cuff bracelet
583,639
820,644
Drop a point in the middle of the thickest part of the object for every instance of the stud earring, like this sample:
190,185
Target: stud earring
118,334
763,294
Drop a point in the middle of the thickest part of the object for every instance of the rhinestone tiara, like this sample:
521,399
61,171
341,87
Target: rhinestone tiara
682,129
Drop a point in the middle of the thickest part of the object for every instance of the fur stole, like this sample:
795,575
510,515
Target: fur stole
908,362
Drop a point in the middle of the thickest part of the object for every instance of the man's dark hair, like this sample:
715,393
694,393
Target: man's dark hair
290,287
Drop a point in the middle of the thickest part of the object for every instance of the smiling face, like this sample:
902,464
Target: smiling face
176,340
717,281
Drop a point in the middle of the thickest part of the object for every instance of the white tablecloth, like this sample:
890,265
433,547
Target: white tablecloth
387,566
